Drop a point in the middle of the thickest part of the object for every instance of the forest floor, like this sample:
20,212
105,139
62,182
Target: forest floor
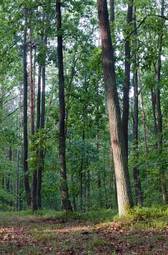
145,231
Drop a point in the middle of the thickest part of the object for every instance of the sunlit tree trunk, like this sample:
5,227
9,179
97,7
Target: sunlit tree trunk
117,140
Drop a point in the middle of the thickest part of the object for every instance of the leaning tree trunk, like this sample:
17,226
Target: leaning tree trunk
25,116
62,134
116,135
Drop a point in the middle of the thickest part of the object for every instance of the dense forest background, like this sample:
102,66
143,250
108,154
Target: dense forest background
55,150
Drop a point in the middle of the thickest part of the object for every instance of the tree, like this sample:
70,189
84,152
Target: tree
126,89
116,135
25,133
62,135
136,173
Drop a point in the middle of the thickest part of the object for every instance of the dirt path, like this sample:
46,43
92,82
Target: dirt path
34,235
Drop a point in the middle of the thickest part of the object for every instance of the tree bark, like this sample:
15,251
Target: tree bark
25,117
112,11
144,123
32,88
153,99
62,135
136,173
158,109
34,184
125,116
116,135
42,126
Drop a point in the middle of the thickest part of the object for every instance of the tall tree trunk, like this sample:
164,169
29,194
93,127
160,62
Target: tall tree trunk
18,181
25,116
116,135
112,11
62,135
32,88
99,181
144,123
82,170
34,184
125,116
136,173
42,126
158,109
153,99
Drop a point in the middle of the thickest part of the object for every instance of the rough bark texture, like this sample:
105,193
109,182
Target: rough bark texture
25,116
62,135
116,135
125,116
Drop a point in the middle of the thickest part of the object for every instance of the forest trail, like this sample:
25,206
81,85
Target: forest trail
39,235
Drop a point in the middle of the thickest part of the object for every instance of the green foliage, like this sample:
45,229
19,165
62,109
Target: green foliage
90,171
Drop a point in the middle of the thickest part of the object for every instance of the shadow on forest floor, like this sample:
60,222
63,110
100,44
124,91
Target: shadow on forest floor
143,232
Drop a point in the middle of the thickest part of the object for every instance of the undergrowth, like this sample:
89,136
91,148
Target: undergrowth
154,216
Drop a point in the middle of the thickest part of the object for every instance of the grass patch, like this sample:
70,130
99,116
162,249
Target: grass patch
98,216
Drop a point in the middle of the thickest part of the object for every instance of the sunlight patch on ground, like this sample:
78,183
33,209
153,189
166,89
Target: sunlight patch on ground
70,229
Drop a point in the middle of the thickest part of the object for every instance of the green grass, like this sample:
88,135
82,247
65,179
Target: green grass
146,218
102,215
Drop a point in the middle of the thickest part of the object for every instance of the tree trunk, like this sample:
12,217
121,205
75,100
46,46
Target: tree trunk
136,174
25,116
144,123
42,126
153,99
34,184
112,11
159,111
32,89
18,181
125,116
62,136
116,135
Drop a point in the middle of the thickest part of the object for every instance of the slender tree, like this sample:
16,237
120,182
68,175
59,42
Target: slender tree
136,173
159,117
62,134
126,89
25,116
42,125
34,184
